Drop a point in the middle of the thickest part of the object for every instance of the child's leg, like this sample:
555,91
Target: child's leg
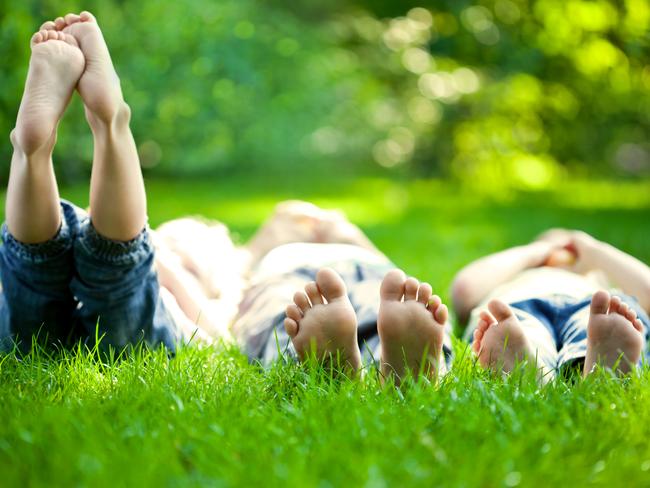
36,258
117,195
32,210
114,282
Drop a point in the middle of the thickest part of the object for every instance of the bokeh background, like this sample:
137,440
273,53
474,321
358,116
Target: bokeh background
447,130
515,93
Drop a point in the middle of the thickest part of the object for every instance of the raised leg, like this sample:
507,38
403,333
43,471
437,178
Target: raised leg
117,195
33,212
115,283
36,256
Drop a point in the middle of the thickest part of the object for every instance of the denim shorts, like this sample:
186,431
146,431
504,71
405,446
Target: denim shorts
259,328
556,327
81,286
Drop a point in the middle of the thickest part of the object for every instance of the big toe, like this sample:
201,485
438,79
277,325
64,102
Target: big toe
500,310
87,16
330,284
392,287
600,302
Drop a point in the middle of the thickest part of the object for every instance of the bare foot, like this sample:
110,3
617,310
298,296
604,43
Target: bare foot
54,69
411,327
99,85
322,321
499,340
614,335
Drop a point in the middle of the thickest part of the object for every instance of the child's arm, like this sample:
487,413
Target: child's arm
624,271
477,279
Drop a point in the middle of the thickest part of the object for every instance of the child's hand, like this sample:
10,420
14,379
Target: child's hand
557,244
575,254
583,247
556,236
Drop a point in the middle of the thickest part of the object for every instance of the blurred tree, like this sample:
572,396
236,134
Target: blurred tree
493,91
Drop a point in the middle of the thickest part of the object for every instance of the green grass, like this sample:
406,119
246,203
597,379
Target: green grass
208,417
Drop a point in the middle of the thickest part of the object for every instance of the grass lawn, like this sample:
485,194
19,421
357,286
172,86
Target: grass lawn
208,417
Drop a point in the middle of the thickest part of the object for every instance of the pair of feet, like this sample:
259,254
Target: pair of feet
322,322
614,337
67,53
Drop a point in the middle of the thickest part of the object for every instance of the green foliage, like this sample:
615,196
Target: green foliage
210,84
502,90
492,91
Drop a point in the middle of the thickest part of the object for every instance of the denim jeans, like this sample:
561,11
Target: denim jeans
81,286
562,325
556,327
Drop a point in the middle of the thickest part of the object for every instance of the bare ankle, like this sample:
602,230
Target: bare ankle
110,121
29,144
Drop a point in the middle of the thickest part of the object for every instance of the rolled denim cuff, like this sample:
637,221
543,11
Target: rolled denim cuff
115,252
41,252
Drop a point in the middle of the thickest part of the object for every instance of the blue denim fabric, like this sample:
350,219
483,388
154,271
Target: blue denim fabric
558,326
80,285
260,328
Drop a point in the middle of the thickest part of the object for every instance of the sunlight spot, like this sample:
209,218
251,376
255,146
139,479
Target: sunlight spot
417,60
597,56
398,35
633,158
423,110
507,12
326,140
437,86
384,113
479,21
404,138
421,16
474,17
388,153
532,172
368,28
513,478
599,466
465,80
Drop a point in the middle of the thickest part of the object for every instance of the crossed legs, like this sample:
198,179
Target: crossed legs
70,53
